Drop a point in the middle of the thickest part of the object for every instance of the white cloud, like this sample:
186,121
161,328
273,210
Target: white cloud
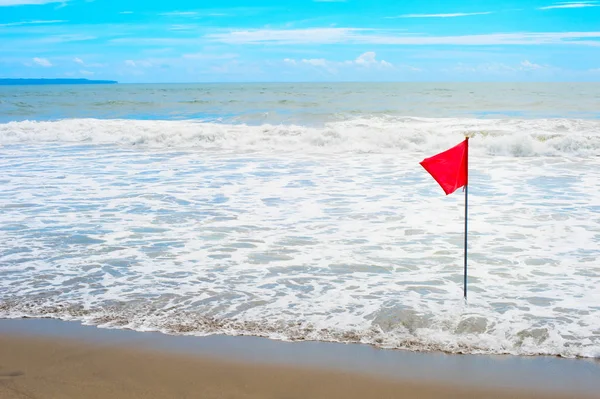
81,62
451,15
209,56
179,14
571,4
368,60
318,62
42,62
126,12
75,37
180,27
485,68
154,41
501,69
365,60
4,3
329,1
285,36
373,36
139,63
87,73
55,21
527,65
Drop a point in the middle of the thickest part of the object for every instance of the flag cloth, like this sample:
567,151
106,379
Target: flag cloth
450,168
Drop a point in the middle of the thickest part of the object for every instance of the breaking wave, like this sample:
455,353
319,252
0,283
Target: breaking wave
458,332
507,137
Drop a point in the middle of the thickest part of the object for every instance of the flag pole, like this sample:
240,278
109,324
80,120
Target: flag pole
451,170
466,208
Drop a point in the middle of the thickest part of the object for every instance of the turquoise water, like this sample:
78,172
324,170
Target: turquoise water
299,103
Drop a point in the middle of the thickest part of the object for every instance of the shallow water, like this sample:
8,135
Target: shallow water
321,229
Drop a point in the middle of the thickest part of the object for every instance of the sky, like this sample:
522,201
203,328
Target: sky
301,40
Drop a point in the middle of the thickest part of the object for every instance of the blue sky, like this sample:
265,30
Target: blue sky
301,40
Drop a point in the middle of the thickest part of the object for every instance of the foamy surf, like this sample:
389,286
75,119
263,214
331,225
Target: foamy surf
463,331
384,134
307,233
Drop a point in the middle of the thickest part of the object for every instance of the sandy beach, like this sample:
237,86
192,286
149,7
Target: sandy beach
74,361
52,368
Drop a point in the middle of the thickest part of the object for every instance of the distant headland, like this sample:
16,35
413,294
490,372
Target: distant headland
18,82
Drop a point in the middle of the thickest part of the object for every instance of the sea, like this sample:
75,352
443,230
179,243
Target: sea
299,211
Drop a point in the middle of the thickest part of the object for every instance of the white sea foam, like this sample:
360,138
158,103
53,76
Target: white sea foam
511,137
331,233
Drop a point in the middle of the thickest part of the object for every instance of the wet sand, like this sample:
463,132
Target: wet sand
52,359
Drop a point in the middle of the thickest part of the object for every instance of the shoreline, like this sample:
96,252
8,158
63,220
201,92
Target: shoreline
490,373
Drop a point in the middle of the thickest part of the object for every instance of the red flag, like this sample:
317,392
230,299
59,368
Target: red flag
449,168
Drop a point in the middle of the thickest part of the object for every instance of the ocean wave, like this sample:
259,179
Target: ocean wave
508,137
120,103
460,332
287,245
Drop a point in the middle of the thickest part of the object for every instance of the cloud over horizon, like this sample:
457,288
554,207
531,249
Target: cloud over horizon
364,60
571,4
450,15
6,3
374,36
42,62
185,40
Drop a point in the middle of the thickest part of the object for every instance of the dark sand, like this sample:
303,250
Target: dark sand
52,359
